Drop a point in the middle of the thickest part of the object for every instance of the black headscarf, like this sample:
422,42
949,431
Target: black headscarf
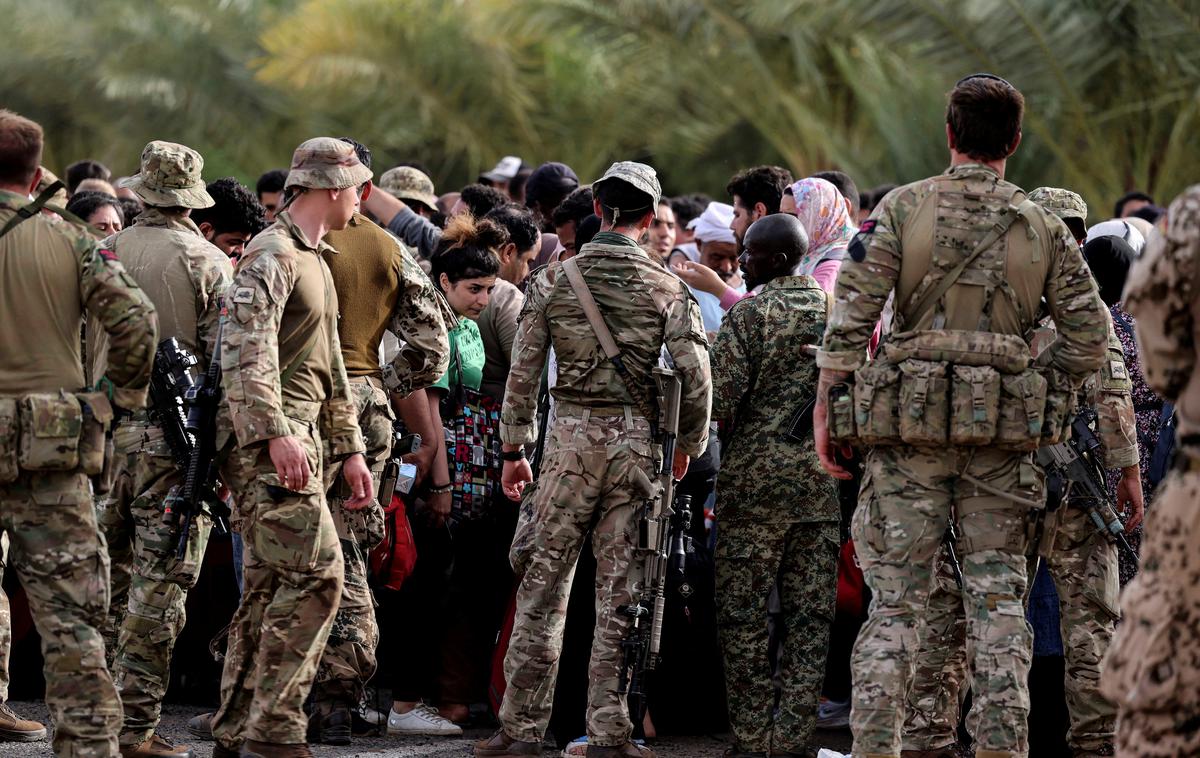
1109,259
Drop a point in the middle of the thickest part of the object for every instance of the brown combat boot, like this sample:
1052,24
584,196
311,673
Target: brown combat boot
628,750
200,726
155,746
220,751
13,728
256,749
500,745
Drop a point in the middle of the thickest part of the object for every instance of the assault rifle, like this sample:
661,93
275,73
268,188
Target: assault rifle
1077,462
663,542
186,411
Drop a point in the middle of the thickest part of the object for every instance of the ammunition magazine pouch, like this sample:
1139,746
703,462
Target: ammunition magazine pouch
962,388
54,432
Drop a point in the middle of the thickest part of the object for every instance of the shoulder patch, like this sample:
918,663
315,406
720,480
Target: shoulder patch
858,245
1117,369
244,295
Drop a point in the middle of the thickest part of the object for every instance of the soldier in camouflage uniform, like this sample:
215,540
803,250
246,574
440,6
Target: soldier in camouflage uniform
1082,563
185,277
979,259
778,510
54,272
601,441
290,402
379,287
1152,671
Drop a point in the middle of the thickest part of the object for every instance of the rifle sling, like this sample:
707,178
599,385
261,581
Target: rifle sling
604,336
930,298
26,212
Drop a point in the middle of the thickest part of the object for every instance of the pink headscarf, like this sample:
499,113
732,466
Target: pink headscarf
822,210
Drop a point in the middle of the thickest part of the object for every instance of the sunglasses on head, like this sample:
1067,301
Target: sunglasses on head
981,75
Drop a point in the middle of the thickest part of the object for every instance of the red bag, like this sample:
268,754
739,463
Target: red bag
850,583
393,559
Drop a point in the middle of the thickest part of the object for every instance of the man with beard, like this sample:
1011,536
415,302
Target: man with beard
756,192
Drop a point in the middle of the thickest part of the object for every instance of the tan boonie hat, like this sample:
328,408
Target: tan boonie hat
170,176
639,175
1062,203
407,183
326,163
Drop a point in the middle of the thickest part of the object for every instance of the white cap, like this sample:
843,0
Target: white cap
713,224
1118,227
505,170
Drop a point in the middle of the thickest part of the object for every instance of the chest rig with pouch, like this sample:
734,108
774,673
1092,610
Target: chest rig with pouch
964,387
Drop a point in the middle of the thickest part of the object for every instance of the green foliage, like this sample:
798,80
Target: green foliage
700,88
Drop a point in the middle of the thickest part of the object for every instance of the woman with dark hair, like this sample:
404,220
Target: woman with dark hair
430,664
1109,258
102,212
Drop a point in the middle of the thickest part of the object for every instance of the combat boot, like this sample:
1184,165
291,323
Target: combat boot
256,749
938,752
200,726
220,751
628,750
13,728
500,745
330,728
155,746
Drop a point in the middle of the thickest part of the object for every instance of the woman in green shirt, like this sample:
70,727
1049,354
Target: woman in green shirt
464,267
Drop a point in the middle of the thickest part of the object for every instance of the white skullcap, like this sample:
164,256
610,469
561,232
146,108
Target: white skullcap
713,224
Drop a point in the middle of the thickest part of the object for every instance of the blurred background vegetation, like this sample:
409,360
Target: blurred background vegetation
700,88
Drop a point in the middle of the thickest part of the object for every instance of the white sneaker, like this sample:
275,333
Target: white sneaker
832,714
423,720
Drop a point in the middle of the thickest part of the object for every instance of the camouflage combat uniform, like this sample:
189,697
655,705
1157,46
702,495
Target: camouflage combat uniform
282,324
1083,565
1152,671
185,277
379,287
916,235
599,438
50,274
778,514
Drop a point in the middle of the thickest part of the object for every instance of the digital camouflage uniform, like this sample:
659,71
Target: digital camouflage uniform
778,514
379,287
598,440
1083,565
185,277
917,234
283,320
51,273
1152,671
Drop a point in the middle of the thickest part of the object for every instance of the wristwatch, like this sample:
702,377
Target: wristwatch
516,455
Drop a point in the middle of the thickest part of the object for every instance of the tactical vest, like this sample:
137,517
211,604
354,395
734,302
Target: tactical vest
938,386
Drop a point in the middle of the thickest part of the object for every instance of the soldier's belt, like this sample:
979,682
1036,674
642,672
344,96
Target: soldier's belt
61,431
576,410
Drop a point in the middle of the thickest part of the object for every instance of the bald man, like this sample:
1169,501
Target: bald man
778,509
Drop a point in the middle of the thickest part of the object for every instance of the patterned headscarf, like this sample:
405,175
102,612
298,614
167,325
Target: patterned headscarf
822,210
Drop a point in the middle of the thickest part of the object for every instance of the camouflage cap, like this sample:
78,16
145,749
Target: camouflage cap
639,175
326,163
170,176
1062,203
408,184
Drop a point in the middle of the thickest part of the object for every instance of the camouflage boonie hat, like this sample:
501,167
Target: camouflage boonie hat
1062,203
169,176
326,163
407,183
639,175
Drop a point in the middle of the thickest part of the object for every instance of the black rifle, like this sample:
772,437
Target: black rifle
664,541
186,411
1077,462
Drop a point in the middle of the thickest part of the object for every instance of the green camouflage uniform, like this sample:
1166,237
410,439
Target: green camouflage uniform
1083,565
915,236
185,277
283,319
53,273
1152,671
412,308
778,514
598,440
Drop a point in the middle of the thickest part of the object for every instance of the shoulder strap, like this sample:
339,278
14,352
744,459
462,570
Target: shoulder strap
998,230
32,209
571,268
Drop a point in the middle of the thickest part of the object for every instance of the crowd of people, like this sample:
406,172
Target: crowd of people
442,438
